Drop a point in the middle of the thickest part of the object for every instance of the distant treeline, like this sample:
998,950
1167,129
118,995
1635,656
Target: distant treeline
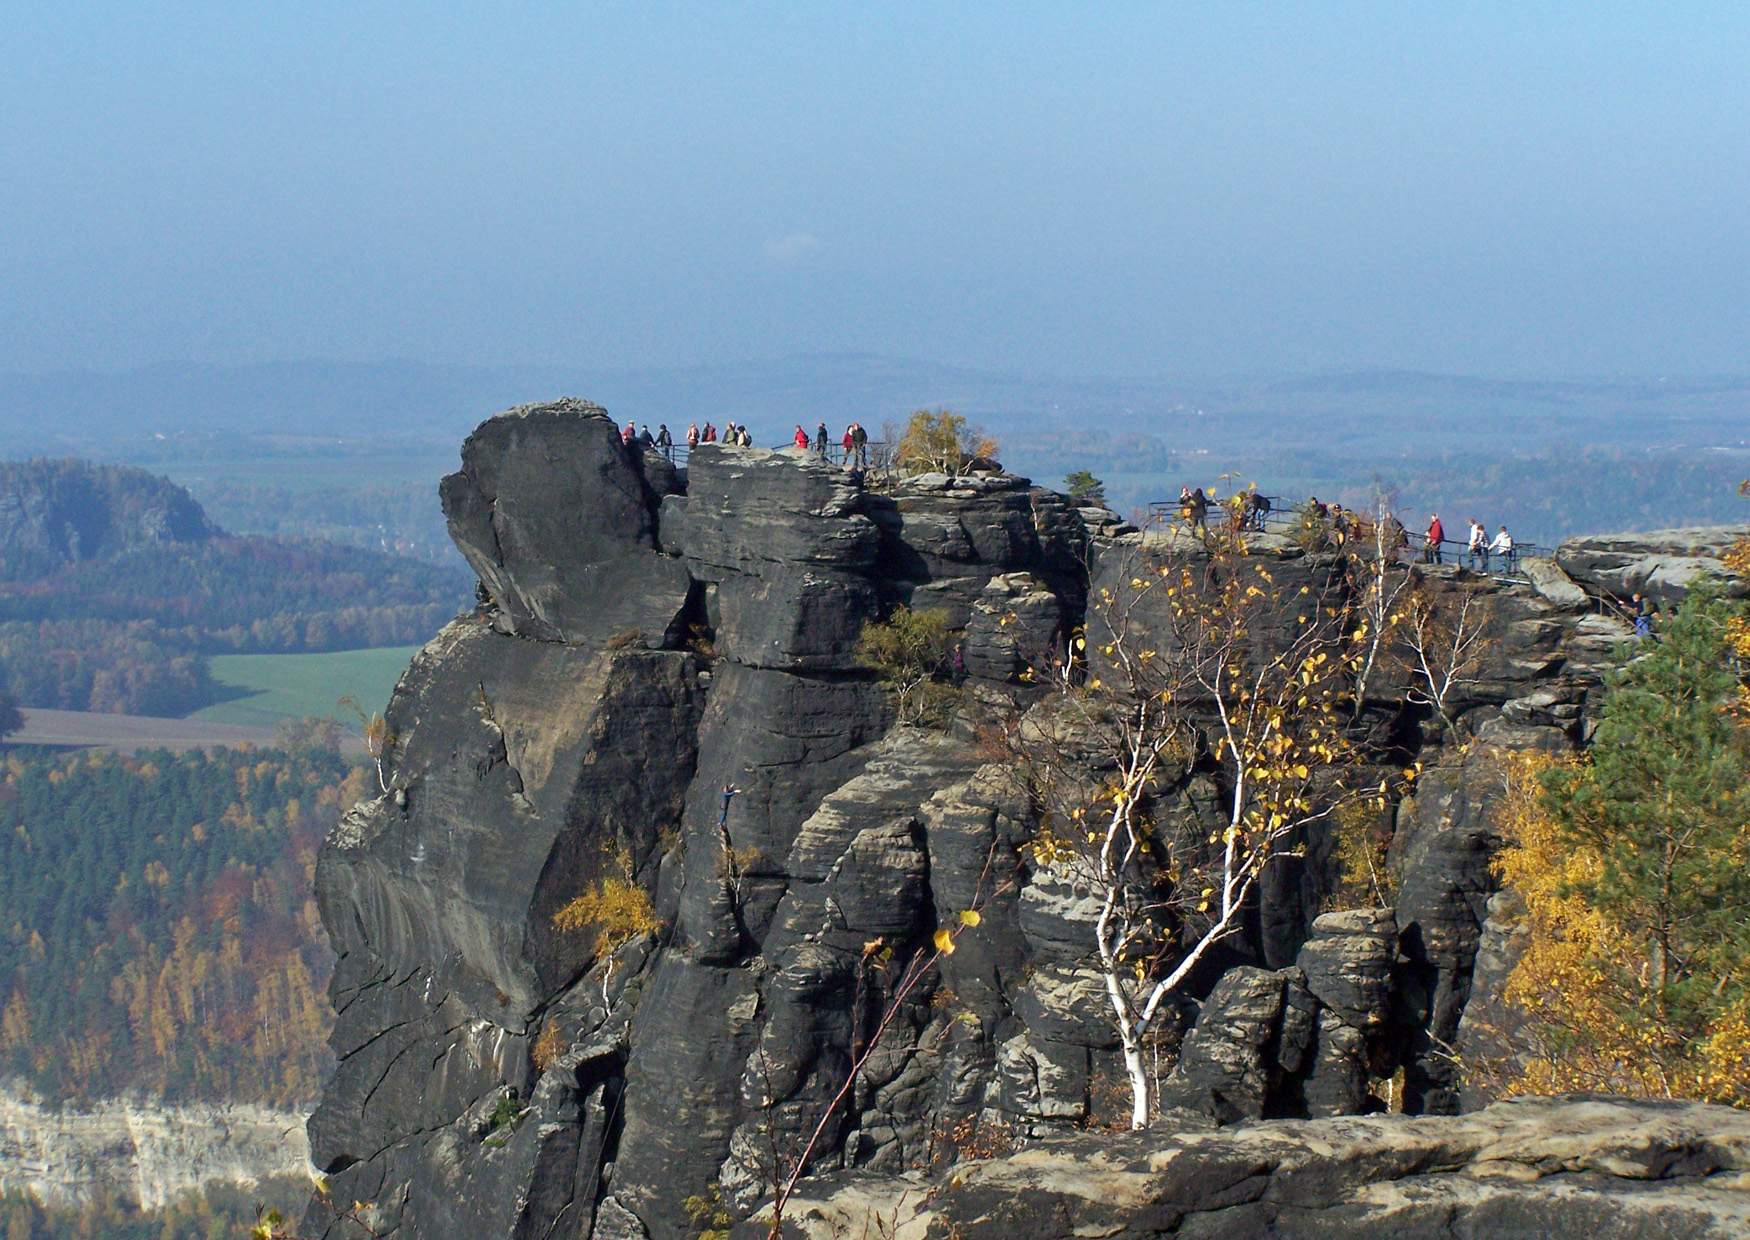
156,926
112,667
402,518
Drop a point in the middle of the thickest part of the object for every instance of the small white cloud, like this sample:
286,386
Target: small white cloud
794,248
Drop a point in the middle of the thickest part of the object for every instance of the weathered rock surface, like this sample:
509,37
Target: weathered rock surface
559,520
647,642
1660,564
1540,1167
146,1154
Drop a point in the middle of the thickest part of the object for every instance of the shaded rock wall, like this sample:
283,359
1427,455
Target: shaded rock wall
646,641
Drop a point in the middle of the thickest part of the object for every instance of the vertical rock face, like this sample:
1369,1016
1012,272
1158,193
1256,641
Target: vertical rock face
646,642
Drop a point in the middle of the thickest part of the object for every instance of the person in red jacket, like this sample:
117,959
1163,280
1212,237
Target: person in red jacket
849,443
801,438
1436,536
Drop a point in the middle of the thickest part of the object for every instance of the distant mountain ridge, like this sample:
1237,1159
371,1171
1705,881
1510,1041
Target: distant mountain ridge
62,512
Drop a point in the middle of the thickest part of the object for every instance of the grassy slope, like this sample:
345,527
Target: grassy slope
283,686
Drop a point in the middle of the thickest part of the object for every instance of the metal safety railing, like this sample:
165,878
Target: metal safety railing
873,456
1282,515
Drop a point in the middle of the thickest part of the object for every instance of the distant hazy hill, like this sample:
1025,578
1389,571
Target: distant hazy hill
56,513
115,586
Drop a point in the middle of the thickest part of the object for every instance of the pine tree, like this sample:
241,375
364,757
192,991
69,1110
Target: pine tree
1633,867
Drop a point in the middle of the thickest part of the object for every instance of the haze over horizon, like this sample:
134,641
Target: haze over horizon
1511,191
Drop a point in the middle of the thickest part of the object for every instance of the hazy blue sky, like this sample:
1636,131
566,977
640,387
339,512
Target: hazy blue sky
1121,188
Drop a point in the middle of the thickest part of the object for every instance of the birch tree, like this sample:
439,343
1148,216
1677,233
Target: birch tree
1203,671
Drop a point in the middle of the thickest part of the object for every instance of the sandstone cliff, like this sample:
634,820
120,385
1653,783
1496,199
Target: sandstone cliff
141,1152
646,639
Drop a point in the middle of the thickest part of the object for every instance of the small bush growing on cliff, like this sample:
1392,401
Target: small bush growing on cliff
1084,488
910,651
616,907
937,441
1631,865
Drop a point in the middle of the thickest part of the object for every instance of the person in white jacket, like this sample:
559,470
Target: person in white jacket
1503,547
1479,546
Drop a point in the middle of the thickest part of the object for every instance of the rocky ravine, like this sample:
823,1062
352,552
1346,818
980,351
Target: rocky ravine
647,639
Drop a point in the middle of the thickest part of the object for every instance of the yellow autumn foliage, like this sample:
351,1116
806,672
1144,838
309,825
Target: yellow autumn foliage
1590,1019
615,906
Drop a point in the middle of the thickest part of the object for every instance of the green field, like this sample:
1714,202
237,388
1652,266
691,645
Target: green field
280,686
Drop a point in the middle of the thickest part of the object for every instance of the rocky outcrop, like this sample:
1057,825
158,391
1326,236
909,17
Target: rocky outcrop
1535,1167
1660,565
660,689
140,1153
55,513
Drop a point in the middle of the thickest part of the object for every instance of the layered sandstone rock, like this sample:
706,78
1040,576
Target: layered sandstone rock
647,640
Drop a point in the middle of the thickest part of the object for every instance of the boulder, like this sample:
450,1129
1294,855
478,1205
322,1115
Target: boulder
559,519
1660,564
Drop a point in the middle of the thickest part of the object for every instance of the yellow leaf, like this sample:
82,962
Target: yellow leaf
944,942
970,917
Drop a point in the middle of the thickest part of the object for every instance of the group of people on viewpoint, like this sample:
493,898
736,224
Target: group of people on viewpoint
1479,547
1248,510
854,444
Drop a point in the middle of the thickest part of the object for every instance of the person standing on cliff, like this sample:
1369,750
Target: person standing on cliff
849,442
820,440
1433,538
665,441
1503,547
692,435
629,434
860,440
1479,546
801,438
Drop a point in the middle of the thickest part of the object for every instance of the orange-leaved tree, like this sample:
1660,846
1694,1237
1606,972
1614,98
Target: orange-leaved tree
938,441
1630,861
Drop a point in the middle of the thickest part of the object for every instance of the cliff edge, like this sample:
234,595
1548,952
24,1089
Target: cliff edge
647,639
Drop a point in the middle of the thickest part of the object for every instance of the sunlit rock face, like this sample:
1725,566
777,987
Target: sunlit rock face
648,637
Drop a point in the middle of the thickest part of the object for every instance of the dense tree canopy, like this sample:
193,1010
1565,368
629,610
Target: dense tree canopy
158,930
1631,862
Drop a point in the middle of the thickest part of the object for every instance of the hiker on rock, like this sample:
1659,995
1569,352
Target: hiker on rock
801,438
709,434
692,435
1433,538
646,438
665,441
820,440
860,440
629,433
849,442
1479,546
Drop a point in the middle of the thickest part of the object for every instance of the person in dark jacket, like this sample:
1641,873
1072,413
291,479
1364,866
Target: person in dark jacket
820,440
665,441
